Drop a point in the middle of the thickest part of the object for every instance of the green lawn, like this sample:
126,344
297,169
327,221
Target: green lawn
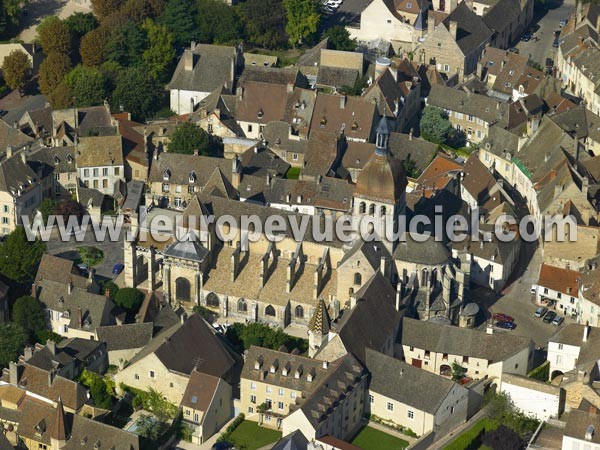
293,173
249,436
371,439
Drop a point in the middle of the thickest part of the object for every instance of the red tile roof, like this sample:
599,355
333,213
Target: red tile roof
558,279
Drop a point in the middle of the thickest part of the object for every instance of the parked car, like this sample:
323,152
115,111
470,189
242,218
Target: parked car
533,289
83,268
549,62
556,33
555,44
563,22
500,317
507,325
514,50
118,268
222,446
549,317
526,37
558,320
540,312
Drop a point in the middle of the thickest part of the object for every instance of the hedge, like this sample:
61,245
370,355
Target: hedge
225,436
541,372
471,439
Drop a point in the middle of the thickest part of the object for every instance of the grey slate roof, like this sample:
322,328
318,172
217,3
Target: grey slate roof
472,30
480,106
429,252
405,383
188,247
336,76
502,15
293,441
461,341
419,150
126,336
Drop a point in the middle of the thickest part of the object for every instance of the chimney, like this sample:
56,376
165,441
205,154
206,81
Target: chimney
27,353
317,280
79,317
398,296
51,346
410,134
453,28
430,23
586,332
193,45
70,287
107,293
342,101
9,151
51,375
183,318
34,290
13,373
188,60
383,266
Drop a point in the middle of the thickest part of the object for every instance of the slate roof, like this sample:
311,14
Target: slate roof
419,150
126,336
16,174
61,270
480,106
272,75
188,248
472,31
321,153
213,67
578,423
461,341
397,380
293,441
503,15
260,162
180,167
356,114
190,345
430,252
57,159
98,151
336,77
262,102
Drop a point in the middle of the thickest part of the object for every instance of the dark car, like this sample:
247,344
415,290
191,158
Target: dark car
526,37
555,44
549,317
534,28
558,320
222,446
507,325
502,317
118,268
563,22
557,33
514,50
549,62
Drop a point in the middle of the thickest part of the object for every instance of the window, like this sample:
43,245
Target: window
57,190
293,394
269,389
191,189
252,398
558,360
117,171
178,188
86,172
249,128
5,220
410,414
412,349
96,172
6,209
478,134
559,295
459,115
295,156
196,418
210,128
136,376
389,21
104,183
166,187
465,360
427,354
371,399
357,279
280,405
390,406
178,201
545,290
253,385
470,118
96,184
560,346
57,176
446,68
280,392
105,171
250,409
151,374
171,385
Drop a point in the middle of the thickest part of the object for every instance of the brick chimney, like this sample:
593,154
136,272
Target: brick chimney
79,317
13,373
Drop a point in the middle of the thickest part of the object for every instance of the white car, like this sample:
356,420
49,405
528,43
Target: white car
333,3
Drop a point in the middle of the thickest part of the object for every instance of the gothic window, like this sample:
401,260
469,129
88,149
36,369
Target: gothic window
372,209
357,279
270,311
182,289
212,300
299,312
362,208
242,305
382,211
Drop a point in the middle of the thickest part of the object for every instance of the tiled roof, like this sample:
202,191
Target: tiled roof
61,270
320,321
200,391
479,106
126,336
354,114
472,31
97,151
558,279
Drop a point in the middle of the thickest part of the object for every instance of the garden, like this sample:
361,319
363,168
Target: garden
369,438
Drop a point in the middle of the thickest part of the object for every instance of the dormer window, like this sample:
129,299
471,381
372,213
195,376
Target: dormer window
354,126
298,373
84,440
69,158
97,445
166,175
258,363
61,300
192,178
274,366
56,159
261,113
323,122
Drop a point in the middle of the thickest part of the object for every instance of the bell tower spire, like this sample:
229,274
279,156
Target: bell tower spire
383,137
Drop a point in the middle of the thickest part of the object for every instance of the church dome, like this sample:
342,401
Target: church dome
383,177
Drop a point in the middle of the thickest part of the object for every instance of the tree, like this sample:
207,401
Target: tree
503,438
502,409
188,138
303,19
111,287
217,23
126,45
47,208
137,92
54,36
148,427
458,371
179,18
93,47
159,56
206,313
19,257
262,409
52,71
81,24
139,10
15,69
435,126
103,8
43,336
339,39
410,167
88,86
130,299
61,97
28,312
243,336
69,208
100,391
264,21
13,339
10,11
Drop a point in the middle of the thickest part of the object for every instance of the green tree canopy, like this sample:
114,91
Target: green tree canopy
217,23
126,45
179,17
130,299
15,69
10,11
88,86
264,21
19,257
243,336
189,138
458,371
303,17
28,312
61,97
13,339
93,48
435,126
339,38
54,35
52,71
80,24
159,56
103,8
137,92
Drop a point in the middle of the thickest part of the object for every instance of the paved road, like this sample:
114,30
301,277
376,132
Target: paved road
113,251
37,10
347,14
540,48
